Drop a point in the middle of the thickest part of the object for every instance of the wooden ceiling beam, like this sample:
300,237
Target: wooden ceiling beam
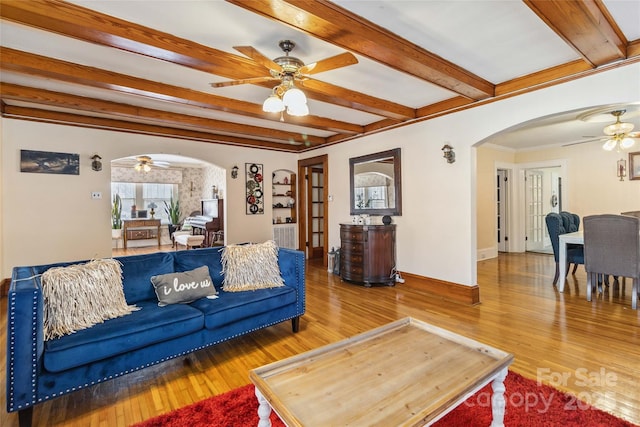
586,25
84,24
328,21
50,68
70,119
62,100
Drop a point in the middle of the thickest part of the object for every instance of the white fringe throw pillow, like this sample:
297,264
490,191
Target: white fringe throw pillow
250,267
81,295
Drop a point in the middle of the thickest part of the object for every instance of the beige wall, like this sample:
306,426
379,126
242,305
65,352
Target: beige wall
50,218
487,158
437,233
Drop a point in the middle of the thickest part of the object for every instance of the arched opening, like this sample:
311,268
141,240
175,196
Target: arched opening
150,185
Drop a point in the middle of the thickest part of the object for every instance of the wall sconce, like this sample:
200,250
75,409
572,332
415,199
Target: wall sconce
96,164
622,169
448,153
234,172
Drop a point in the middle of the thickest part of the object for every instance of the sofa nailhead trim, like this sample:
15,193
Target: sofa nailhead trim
183,353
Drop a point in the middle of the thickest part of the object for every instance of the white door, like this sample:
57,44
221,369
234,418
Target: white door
535,224
501,208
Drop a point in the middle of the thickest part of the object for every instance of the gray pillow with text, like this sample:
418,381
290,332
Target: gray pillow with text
183,288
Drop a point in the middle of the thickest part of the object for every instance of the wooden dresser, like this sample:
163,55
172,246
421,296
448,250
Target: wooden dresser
368,253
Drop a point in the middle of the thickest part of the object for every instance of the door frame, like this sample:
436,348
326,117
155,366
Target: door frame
517,208
303,208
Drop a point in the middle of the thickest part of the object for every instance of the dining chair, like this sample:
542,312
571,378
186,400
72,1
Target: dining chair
612,246
575,254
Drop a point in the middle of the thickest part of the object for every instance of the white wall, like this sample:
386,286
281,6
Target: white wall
436,234
49,218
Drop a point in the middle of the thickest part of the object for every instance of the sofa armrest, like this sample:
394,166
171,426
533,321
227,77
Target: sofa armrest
25,337
292,265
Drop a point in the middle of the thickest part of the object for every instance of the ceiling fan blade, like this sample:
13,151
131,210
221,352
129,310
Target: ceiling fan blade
338,61
258,57
633,135
584,141
243,81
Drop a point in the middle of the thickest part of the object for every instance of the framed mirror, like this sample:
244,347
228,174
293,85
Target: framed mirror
376,184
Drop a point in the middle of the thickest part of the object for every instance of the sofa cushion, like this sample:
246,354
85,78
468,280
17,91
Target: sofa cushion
233,306
79,296
137,271
252,266
183,288
151,324
211,257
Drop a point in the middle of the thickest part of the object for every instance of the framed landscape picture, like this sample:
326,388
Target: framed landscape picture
49,162
634,165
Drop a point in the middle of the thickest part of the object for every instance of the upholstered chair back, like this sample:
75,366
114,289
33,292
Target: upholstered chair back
555,227
570,221
612,245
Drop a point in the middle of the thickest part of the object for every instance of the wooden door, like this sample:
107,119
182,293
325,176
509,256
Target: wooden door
315,220
307,214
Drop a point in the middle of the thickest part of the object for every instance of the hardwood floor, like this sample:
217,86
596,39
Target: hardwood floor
590,349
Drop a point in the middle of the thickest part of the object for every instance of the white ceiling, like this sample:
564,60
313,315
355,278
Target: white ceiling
497,41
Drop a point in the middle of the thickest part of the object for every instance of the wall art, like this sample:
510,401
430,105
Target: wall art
634,165
49,162
255,192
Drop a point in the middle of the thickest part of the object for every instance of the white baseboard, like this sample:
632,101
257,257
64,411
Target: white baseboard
487,253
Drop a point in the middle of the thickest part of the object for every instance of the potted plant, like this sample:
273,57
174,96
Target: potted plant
116,217
173,212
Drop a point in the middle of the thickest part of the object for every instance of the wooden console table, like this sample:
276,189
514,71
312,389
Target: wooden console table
140,229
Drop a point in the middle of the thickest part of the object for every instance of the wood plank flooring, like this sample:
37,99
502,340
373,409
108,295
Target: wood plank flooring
590,349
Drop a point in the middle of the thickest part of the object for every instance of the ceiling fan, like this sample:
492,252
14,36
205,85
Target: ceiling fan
618,134
144,164
287,70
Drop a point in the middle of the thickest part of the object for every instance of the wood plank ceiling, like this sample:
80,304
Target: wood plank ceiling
43,85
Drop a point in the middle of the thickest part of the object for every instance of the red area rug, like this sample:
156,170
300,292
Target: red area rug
528,404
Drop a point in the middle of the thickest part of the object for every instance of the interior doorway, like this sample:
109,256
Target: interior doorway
502,192
313,209
542,195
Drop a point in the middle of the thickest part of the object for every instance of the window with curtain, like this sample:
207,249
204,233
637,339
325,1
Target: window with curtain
142,195
158,194
127,192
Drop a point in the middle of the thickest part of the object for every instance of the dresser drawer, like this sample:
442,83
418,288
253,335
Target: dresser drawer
352,257
141,234
351,271
351,248
354,235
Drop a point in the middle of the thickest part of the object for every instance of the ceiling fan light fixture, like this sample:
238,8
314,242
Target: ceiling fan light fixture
273,104
618,128
294,97
610,144
626,143
298,110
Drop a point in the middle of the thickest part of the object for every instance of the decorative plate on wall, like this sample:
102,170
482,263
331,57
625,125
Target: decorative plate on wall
255,203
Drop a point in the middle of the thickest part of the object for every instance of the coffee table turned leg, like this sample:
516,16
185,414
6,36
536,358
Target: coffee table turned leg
497,399
264,410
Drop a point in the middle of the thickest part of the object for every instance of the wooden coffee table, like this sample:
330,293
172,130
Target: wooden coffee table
405,373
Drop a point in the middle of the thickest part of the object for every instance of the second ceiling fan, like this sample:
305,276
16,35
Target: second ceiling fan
288,71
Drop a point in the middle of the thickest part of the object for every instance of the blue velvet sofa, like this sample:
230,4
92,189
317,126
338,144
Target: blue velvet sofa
39,370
